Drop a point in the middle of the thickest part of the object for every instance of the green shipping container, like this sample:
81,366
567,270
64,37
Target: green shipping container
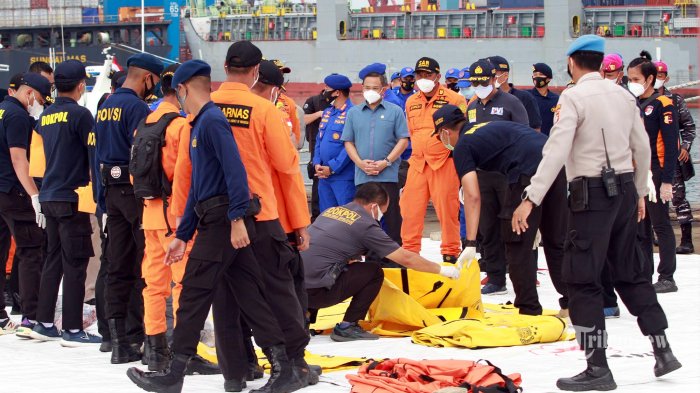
619,31
455,32
248,35
526,31
399,32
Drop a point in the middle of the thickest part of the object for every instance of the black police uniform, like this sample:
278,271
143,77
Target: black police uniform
312,105
547,105
493,185
117,119
515,151
217,275
64,128
16,207
533,111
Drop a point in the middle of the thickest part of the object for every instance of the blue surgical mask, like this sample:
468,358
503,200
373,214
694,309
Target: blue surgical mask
467,92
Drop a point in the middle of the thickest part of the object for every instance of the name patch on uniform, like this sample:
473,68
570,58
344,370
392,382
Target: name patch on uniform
53,118
497,111
92,139
648,110
668,117
415,107
109,114
472,115
237,115
342,214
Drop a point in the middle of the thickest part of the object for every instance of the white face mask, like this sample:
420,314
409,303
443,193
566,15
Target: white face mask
499,84
637,89
659,83
371,96
425,85
181,100
483,91
35,108
274,95
257,76
467,92
446,141
379,213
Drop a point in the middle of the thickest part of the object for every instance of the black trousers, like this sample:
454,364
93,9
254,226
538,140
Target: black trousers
493,187
69,248
124,255
228,281
5,242
661,223
361,281
403,173
315,210
607,233
274,255
550,219
17,213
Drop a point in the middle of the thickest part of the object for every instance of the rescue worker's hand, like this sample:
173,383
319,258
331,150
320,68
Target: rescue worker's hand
40,218
652,188
666,192
323,172
520,215
239,234
683,155
449,272
175,252
303,239
641,209
465,257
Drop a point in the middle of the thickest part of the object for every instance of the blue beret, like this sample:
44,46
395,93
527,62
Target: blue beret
588,42
463,80
407,71
374,68
452,73
70,71
147,62
188,70
337,82
395,75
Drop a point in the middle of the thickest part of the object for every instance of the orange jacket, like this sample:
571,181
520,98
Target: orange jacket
419,115
177,137
263,141
289,107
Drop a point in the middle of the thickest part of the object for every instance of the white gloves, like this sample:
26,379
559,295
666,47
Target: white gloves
449,272
652,189
466,257
40,218
104,223
538,239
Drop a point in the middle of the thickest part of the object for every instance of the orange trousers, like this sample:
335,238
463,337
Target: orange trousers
159,279
442,187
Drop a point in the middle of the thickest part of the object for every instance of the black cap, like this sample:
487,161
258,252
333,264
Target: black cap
270,74
166,77
70,71
243,54
446,115
38,83
500,63
428,64
280,64
16,81
116,83
481,71
544,69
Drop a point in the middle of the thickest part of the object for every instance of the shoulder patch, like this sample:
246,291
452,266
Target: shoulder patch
668,117
665,101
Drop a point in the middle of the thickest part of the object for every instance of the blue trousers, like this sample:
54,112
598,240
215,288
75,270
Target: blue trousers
462,223
333,193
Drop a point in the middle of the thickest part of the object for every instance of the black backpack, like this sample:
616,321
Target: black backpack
145,165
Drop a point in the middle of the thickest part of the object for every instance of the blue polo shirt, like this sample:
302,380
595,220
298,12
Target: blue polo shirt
547,105
217,168
330,149
375,133
65,127
395,96
15,131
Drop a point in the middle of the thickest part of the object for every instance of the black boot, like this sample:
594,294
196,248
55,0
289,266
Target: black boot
666,362
593,378
304,373
234,385
106,346
159,381
146,355
158,354
686,246
282,379
122,351
255,371
201,366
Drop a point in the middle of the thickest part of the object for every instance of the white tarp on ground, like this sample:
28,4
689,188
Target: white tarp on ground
30,366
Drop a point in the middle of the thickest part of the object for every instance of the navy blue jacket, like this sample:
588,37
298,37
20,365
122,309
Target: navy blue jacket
15,131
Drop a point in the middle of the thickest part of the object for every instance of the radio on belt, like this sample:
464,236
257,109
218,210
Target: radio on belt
608,173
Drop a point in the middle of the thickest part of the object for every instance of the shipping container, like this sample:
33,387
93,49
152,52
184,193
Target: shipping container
19,4
73,16
56,16
89,3
450,5
515,3
36,4
40,17
21,17
91,16
71,3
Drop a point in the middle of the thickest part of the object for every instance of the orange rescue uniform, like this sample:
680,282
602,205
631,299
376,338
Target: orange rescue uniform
431,175
289,108
158,276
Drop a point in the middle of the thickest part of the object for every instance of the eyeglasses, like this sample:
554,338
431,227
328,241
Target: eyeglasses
483,83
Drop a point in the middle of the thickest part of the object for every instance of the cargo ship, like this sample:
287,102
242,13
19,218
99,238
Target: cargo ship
316,39
87,30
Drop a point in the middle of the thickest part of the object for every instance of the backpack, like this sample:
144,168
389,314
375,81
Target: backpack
145,164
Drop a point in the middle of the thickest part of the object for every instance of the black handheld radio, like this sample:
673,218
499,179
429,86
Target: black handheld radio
608,173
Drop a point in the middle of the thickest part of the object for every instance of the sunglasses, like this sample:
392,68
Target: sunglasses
483,83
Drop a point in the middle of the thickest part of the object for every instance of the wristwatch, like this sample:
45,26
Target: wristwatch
388,162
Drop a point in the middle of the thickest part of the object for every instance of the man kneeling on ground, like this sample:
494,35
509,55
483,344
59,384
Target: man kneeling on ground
333,270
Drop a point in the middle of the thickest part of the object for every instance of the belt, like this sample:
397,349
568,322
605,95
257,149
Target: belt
597,182
115,174
201,208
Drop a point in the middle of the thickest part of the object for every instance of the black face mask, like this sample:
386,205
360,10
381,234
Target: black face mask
568,71
540,81
148,91
453,87
328,95
408,86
